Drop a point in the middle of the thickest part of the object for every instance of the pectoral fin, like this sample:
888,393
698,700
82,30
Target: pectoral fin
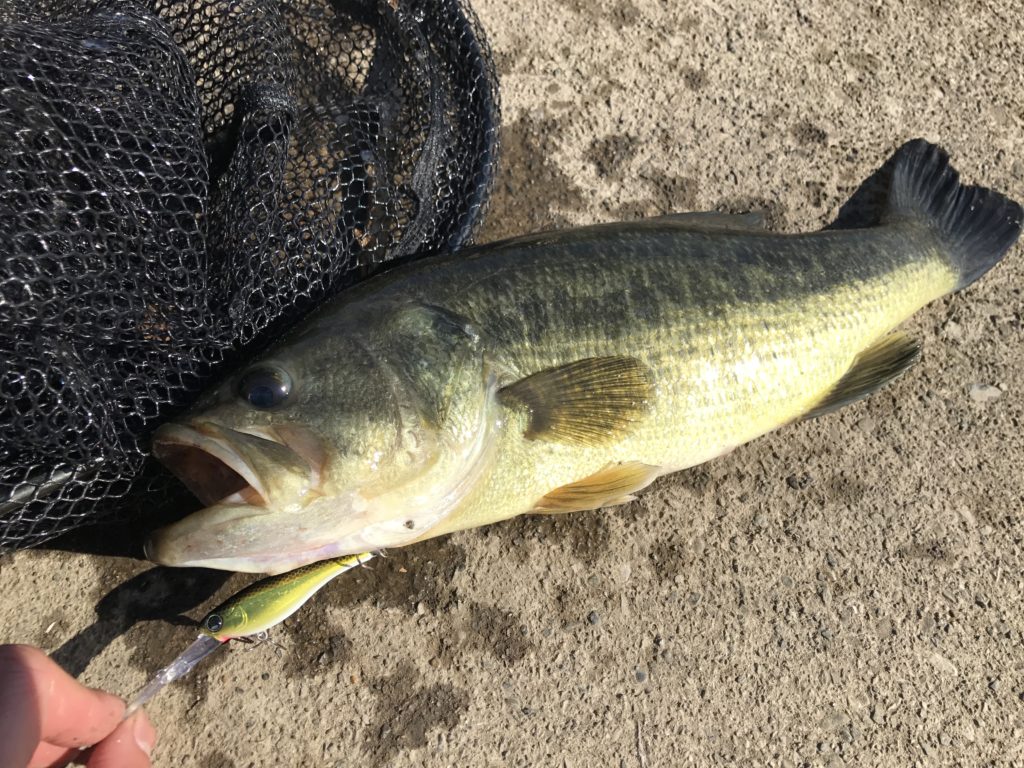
613,485
877,365
589,401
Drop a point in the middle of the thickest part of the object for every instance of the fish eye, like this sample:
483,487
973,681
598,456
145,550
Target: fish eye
213,622
265,387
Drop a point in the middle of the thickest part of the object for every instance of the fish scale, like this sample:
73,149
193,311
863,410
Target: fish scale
765,353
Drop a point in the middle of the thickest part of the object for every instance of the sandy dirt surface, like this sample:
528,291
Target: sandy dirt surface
842,592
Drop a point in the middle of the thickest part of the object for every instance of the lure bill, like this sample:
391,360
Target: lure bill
200,648
251,611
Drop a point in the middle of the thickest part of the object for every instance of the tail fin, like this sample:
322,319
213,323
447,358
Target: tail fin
977,226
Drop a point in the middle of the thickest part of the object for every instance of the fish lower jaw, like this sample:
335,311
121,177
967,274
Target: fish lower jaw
269,540
271,564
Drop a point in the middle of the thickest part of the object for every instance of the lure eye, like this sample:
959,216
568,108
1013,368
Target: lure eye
213,622
265,387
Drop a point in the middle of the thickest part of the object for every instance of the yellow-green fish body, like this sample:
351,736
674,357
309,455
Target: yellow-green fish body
562,371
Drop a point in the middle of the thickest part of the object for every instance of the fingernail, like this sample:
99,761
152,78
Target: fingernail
145,735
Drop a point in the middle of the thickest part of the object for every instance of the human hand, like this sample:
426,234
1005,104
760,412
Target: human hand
46,717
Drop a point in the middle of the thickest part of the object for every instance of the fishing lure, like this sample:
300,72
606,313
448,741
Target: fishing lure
251,611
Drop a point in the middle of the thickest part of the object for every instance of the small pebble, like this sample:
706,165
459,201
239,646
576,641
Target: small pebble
944,665
867,425
593,618
641,676
985,393
798,482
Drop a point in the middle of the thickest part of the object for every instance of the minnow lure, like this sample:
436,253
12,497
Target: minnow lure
251,611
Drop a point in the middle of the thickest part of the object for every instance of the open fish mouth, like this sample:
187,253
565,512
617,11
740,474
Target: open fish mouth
250,483
203,459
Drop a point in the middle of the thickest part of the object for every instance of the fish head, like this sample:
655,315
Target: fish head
335,443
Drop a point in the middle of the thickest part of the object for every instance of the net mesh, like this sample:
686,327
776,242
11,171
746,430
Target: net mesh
179,179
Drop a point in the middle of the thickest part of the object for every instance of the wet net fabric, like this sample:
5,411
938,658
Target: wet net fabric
179,181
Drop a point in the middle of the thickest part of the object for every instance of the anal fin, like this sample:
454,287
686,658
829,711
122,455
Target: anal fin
877,365
609,487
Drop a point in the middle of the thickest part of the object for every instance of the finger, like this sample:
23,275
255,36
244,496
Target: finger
127,747
39,701
19,723
48,756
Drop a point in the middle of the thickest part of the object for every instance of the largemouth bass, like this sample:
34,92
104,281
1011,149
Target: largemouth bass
561,371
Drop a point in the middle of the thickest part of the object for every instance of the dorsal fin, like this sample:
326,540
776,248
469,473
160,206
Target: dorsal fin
715,220
609,487
589,401
879,364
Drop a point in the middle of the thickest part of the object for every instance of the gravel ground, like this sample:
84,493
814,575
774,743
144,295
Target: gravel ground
843,592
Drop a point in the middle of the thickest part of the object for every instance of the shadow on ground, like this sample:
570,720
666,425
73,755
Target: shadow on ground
158,594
